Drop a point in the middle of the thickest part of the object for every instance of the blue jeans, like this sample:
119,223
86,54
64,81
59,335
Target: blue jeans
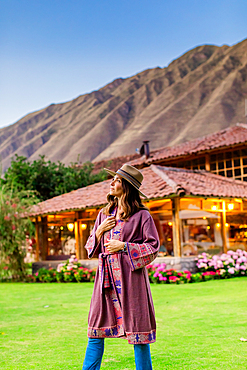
95,350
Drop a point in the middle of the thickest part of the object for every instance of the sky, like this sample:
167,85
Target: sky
55,50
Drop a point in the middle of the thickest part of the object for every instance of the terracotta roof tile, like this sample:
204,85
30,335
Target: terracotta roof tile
159,182
228,137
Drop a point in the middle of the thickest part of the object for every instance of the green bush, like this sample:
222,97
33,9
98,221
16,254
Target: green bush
15,226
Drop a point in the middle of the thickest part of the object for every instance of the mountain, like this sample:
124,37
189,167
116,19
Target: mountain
201,92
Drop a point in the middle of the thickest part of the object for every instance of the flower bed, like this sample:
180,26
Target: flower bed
71,271
227,265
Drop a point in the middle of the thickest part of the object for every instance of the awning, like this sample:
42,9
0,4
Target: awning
195,214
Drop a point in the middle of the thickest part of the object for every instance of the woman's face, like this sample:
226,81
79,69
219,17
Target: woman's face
116,188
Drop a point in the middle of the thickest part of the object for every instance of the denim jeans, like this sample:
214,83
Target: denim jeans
95,350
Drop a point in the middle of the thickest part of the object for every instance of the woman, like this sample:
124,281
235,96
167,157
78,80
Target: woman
125,236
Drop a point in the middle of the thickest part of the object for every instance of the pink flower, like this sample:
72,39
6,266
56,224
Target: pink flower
14,205
13,227
36,273
219,264
231,270
243,267
223,257
6,218
162,278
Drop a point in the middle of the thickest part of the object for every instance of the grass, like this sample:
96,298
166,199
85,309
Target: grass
198,327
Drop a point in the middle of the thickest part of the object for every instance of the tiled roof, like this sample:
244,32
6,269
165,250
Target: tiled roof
225,138
159,182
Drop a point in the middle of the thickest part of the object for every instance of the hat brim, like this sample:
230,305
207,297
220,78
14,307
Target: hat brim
112,173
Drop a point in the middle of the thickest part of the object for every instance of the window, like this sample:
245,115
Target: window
230,164
195,164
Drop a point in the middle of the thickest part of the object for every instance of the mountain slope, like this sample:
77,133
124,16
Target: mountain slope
202,91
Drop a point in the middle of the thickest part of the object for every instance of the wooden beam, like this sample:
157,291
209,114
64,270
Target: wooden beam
223,227
44,247
37,237
176,227
77,236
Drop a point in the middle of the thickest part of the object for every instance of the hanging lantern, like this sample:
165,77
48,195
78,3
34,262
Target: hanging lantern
83,226
70,227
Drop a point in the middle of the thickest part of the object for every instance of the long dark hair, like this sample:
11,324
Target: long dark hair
130,201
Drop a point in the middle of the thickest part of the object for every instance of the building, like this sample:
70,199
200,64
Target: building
223,153
194,211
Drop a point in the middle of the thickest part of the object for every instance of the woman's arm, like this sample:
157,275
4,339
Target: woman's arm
142,254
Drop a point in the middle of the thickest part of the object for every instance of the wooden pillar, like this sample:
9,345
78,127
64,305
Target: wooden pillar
44,250
37,237
207,162
223,227
176,228
77,235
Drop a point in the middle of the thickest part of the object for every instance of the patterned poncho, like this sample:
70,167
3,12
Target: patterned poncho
122,304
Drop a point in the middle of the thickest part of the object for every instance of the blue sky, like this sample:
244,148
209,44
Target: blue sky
52,51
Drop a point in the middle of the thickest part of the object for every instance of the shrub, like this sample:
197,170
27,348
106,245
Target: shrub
14,229
70,271
226,265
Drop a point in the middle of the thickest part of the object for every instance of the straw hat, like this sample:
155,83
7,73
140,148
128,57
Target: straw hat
130,174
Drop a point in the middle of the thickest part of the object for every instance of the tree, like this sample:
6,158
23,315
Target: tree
49,179
14,227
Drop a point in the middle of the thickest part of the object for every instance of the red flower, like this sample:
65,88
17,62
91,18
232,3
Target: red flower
7,218
14,205
13,227
172,278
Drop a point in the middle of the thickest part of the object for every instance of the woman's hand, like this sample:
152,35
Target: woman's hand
106,225
114,246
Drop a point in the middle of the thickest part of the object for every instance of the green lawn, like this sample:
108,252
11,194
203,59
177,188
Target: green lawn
198,327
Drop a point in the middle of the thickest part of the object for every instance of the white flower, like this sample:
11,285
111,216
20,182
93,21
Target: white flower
59,267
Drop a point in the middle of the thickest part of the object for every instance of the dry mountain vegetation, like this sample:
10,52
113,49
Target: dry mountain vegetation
199,93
